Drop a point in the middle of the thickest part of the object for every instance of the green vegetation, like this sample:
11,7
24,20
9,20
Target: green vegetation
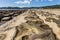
44,7
52,7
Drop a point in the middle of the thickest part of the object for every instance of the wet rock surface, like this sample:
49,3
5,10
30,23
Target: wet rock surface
33,24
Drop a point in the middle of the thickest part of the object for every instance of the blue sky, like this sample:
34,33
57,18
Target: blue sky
27,3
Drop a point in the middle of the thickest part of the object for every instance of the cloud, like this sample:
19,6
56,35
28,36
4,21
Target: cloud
29,1
23,6
24,2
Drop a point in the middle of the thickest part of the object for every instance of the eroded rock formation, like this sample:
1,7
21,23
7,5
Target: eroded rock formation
33,24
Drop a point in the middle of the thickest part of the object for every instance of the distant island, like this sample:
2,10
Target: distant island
44,7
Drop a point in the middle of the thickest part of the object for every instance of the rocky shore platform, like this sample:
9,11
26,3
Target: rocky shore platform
31,24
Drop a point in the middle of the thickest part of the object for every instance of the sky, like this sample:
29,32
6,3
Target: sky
28,3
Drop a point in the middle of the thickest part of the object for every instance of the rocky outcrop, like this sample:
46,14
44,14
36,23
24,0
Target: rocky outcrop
34,24
7,15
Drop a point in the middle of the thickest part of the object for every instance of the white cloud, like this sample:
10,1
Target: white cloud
24,2
29,1
22,6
